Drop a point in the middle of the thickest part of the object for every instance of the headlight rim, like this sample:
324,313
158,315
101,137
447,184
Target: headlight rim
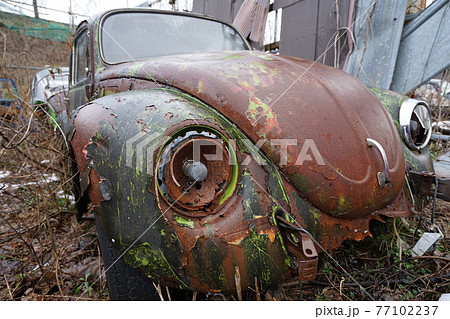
214,133
406,112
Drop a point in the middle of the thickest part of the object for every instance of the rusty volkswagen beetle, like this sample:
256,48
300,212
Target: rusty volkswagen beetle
204,161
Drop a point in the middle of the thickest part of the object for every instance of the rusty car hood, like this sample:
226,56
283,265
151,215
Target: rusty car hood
327,111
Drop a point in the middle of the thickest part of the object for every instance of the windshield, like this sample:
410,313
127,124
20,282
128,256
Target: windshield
138,35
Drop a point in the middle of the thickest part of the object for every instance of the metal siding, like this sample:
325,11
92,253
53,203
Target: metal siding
245,17
377,32
259,25
424,53
235,6
328,23
298,29
198,6
278,4
222,9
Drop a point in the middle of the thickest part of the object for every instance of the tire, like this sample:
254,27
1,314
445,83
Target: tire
124,282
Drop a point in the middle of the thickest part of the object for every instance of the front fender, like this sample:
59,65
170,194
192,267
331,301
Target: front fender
116,142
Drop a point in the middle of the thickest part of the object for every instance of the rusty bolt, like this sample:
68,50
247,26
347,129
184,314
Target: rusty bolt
196,171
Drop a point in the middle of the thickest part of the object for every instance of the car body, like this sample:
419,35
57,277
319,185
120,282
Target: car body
49,88
8,98
204,160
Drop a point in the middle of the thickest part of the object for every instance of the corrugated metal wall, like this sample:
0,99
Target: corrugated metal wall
308,27
221,9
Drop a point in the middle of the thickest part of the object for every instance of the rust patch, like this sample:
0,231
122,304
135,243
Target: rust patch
86,126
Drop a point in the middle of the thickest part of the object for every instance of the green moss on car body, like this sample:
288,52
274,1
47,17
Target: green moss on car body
184,222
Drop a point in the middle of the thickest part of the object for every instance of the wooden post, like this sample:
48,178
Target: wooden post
36,13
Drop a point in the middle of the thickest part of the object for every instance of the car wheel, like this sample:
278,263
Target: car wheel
124,282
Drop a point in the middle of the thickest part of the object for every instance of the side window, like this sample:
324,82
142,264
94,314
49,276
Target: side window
81,54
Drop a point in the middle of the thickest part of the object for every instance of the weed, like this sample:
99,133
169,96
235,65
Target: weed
21,276
85,284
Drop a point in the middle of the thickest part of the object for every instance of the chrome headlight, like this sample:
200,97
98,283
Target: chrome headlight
415,123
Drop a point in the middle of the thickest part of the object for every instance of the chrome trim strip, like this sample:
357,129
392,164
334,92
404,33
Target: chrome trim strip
405,115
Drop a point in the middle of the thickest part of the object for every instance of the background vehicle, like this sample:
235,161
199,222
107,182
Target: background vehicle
306,155
49,90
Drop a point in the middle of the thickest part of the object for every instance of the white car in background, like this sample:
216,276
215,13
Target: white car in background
46,88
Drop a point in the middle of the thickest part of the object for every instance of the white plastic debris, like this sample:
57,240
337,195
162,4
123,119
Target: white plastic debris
425,243
445,297
37,266
4,174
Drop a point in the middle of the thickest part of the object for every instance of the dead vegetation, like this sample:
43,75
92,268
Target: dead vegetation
19,50
44,253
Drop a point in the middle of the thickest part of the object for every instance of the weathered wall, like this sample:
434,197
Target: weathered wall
313,30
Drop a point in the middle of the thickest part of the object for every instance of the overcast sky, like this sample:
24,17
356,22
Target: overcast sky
84,8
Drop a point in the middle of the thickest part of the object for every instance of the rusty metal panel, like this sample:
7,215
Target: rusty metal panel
424,48
415,6
332,13
377,31
299,29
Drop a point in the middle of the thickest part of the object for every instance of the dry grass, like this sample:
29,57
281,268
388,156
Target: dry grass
44,251
20,50
383,265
